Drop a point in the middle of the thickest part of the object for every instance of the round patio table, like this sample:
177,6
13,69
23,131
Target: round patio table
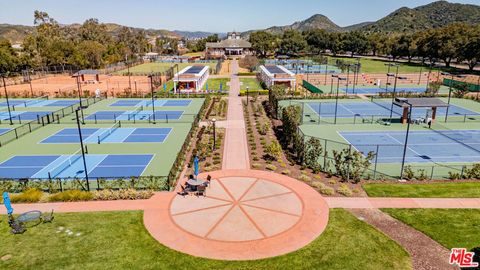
29,216
195,182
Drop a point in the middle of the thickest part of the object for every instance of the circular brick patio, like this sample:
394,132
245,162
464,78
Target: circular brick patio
245,215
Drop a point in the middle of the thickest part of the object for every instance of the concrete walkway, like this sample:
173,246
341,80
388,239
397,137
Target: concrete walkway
426,253
235,155
372,203
332,202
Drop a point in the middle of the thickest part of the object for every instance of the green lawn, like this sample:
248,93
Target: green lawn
160,67
378,66
214,84
252,83
118,240
452,228
434,190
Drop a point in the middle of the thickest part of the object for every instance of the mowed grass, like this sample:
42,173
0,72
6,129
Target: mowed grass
378,66
452,228
252,83
161,67
118,240
433,190
214,84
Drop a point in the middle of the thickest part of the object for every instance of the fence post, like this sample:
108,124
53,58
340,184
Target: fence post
431,174
463,170
325,156
376,162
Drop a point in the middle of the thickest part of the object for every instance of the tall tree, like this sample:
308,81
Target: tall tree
292,43
318,40
262,42
355,42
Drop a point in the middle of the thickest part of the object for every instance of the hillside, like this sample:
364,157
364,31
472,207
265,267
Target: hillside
197,34
14,33
317,21
433,15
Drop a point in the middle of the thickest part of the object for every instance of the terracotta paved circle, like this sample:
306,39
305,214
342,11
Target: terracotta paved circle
246,215
238,209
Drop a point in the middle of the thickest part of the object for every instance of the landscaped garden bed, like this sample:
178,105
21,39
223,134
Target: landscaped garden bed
266,153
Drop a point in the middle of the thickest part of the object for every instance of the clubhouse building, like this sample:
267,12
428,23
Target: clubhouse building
277,75
191,79
232,47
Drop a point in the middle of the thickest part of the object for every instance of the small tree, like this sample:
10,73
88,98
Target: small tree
460,90
313,151
351,165
433,88
249,62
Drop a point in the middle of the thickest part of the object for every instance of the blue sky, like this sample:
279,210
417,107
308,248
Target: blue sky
206,15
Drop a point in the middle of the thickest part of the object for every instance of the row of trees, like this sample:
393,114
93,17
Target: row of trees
89,45
459,41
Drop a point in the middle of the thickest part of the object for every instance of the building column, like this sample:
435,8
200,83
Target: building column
434,113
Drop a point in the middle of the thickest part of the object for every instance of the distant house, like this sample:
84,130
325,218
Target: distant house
233,46
152,56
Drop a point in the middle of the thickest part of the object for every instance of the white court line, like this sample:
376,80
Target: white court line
404,144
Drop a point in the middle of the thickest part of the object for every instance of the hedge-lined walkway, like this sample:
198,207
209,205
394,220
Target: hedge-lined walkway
235,155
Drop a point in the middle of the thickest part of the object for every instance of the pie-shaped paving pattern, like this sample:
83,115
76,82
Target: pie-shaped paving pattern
238,209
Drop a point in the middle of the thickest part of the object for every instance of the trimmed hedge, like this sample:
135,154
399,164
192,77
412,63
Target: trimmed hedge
246,74
251,92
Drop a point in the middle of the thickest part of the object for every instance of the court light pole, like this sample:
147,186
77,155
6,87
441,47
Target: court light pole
128,70
6,97
388,72
406,137
478,86
336,99
80,97
247,96
395,93
449,92
326,70
83,150
153,99
420,75
355,78
348,74
214,134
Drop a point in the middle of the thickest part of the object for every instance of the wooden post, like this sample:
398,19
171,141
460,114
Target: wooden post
405,115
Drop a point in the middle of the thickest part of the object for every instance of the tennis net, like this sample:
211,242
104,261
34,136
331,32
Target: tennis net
133,114
148,103
35,101
66,164
108,132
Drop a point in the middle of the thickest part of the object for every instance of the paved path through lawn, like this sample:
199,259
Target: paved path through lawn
369,202
235,154
426,253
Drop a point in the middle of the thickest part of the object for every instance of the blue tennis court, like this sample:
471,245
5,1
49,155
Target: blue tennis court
135,115
3,130
40,102
378,108
423,146
22,115
376,90
107,135
71,166
147,103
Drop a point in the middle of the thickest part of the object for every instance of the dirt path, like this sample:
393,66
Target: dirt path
426,254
